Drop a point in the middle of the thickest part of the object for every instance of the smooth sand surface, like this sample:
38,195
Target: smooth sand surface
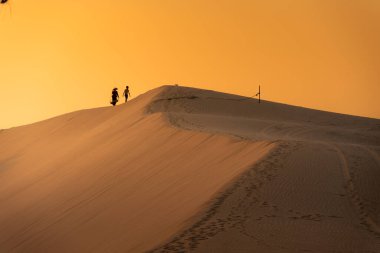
115,179
180,169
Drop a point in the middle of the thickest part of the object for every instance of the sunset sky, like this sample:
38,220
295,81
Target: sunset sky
59,56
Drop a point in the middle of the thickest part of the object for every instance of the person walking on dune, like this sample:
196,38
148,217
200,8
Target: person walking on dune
115,97
126,93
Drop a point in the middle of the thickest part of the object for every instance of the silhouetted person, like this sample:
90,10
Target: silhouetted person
126,93
115,97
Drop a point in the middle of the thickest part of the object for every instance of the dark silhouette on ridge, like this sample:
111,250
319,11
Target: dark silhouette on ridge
115,97
126,93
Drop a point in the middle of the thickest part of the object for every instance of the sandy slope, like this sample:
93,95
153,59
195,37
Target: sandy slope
149,174
110,179
317,192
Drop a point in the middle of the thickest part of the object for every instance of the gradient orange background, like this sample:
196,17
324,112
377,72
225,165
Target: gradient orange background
58,56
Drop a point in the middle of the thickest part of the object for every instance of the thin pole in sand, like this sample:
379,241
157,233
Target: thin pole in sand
259,94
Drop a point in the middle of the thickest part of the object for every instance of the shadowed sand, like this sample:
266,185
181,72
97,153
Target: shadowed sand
180,169
318,191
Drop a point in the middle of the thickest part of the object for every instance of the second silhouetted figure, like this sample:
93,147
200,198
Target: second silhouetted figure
126,93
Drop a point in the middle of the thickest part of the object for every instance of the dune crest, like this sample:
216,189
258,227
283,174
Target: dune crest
316,192
111,179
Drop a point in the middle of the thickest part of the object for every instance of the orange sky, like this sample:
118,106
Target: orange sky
60,56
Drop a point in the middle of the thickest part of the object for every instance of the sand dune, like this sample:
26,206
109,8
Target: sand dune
110,179
318,191
180,169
